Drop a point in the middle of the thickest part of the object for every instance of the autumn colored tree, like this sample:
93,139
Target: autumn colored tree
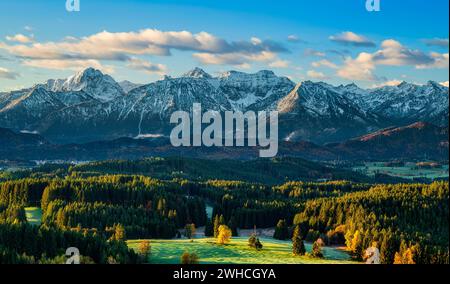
119,233
144,249
317,248
189,258
224,235
254,242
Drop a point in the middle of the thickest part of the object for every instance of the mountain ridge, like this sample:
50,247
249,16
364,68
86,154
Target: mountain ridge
90,105
413,142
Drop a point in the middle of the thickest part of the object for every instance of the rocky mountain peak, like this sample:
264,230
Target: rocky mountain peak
197,73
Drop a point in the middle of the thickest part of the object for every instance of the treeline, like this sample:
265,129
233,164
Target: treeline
25,244
248,204
148,208
410,223
22,192
267,171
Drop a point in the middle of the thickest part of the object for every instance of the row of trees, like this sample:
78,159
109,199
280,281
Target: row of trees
22,243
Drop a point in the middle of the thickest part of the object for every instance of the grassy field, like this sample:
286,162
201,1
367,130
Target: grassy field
408,171
237,252
34,215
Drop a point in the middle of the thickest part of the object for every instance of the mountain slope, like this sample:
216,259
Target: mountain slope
318,112
416,141
405,103
91,106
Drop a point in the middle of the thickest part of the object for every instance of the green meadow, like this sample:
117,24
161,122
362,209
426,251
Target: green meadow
408,171
236,252
34,215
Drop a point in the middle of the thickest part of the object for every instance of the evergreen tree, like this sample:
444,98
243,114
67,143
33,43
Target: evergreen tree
298,246
209,229
317,249
281,231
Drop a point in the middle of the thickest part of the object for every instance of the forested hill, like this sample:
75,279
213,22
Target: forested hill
267,171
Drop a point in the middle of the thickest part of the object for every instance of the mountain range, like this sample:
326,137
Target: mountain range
315,118
92,106
419,141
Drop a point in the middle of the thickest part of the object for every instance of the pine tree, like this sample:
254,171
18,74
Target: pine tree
216,226
209,229
281,231
298,246
317,249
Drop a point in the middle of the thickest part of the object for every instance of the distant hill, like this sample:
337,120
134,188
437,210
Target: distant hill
268,171
418,140
11,140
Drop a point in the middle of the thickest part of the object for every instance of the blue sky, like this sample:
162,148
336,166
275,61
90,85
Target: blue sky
331,40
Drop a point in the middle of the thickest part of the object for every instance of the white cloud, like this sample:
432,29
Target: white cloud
350,38
440,61
445,84
122,46
294,38
439,42
6,74
391,83
279,64
75,65
236,59
20,38
359,69
139,64
312,52
392,53
324,62
316,75
256,41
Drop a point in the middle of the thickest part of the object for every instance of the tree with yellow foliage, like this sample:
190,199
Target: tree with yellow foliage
144,249
189,258
224,235
406,254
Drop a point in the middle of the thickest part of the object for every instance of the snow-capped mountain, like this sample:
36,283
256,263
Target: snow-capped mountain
404,103
259,91
197,73
92,106
128,86
90,81
319,112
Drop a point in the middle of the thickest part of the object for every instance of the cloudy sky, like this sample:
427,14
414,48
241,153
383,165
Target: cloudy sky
332,40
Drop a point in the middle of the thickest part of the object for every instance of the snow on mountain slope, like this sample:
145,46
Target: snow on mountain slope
22,110
319,112
91,81
128,86
91,105
258,91
406,103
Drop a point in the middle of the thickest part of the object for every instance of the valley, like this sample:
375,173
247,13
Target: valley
164,210
87,162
